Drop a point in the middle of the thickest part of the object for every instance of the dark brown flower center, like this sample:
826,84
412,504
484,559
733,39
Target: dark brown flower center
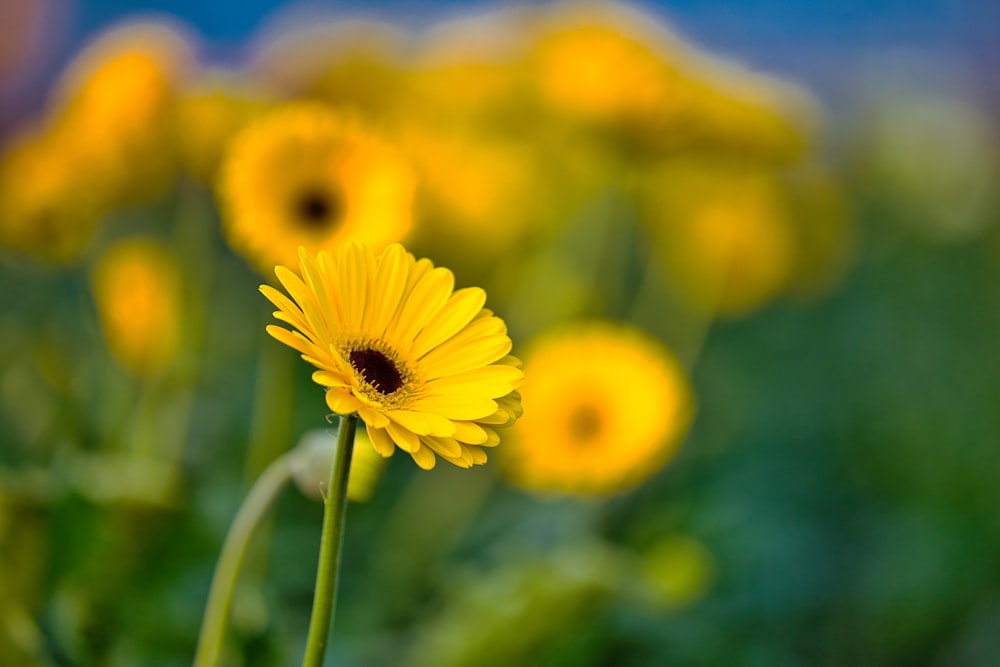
378,370
317,208
584,424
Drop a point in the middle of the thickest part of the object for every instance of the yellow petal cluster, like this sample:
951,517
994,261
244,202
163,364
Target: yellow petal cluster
607,407
425,366
306,175
138,291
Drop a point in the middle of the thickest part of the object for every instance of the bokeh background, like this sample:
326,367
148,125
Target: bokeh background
798,201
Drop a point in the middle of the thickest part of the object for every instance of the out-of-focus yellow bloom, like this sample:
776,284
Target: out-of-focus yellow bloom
48,208
208,115
480,196
676,572
119,95
138,292
606,408
617,69
603,66
423,365
304,175
725,233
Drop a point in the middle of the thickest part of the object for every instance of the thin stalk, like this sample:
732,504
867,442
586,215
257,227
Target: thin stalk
334,514
258,501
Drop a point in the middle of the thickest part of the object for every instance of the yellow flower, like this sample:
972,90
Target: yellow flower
607,407
474,215
305,176
604,64
48,208
137,289
726,234
118,94
423,365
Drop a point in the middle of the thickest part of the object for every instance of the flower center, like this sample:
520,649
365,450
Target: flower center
584,424
377,369
317,208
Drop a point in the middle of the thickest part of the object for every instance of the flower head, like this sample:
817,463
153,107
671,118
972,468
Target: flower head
48,209
138,291
425,366
118,96
304,175
608,407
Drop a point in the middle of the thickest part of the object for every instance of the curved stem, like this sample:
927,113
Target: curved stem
262,495
334,513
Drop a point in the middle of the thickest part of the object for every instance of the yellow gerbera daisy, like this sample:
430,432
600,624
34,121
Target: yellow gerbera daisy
118,96
306,176
607,408
138,292
423,365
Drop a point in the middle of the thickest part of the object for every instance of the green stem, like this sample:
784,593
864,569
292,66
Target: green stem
334,513
262,495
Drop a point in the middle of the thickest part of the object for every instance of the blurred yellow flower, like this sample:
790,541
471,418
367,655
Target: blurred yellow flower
119,95
209,113
616,68
607,407
423,365
305,176
138,292
725,233
48,208
601,68
475,213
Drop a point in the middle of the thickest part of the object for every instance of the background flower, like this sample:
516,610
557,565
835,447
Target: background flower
606,407
306,175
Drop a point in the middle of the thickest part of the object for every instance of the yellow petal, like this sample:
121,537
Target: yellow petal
404,438
470,432
424,457
422,304
461,307
290,312
469,408
318,282
373,417
306,300
422,423
492,439
478,455
493,381
296,341
353,283
447,447
328,379
381,441
341,401
391,274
